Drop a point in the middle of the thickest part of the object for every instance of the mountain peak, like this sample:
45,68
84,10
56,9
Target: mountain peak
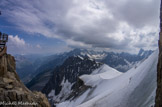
144,53
141,51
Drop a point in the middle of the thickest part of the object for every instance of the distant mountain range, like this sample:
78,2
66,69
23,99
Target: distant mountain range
58,76
32,69
27,65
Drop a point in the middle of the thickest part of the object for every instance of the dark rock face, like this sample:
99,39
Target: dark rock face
70,70
12,89
78,89
158,101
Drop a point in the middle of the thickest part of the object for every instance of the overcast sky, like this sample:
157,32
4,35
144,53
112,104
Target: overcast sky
51,26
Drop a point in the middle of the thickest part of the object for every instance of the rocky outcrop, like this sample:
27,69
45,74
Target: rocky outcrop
64,83
70,70
158,101
12,90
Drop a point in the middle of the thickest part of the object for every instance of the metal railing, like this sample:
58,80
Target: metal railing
3,40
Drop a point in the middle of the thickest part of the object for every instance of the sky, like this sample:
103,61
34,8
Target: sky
54,26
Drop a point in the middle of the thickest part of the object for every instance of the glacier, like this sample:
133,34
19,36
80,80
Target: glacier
110,88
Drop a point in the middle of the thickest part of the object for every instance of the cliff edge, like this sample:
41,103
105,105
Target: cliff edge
13,91
158,101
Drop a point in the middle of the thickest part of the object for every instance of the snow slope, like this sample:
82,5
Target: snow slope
64,93
135,88
104,72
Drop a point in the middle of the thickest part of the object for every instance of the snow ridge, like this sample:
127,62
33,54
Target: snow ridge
135,88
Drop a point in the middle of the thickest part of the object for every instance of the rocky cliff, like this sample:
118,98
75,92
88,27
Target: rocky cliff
12,90
65,78
70,70
158,102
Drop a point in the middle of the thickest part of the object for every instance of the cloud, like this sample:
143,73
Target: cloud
125,24
16,44
16,41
